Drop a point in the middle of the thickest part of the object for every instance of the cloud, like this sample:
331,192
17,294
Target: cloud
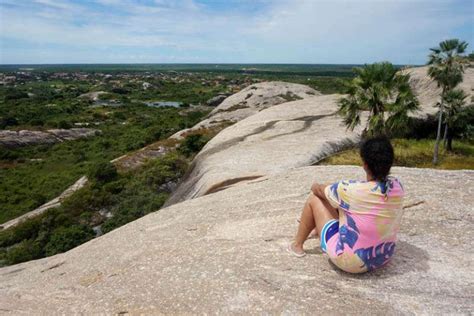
313,31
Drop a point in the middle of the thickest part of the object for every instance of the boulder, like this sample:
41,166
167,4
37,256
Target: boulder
249,101
74,133
13,139
282,137
427,90
224,253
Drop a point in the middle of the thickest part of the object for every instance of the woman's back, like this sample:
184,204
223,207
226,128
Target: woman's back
369,220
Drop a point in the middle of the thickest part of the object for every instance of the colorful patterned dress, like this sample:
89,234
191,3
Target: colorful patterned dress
369,219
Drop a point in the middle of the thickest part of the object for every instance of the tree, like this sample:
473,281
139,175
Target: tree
454,101
446,68
382,91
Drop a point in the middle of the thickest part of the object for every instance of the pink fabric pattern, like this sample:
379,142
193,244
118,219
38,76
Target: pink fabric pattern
369,220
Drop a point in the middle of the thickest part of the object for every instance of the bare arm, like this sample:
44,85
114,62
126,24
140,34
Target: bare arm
318,190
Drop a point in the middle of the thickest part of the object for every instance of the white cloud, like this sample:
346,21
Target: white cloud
312,31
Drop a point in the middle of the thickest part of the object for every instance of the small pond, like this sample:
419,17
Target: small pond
163,103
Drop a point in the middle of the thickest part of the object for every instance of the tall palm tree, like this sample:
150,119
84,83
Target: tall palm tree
446,68
383,92
454,101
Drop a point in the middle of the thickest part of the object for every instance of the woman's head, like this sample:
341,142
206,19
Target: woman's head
377,155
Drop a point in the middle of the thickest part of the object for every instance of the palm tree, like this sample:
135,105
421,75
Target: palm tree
454,101
382,91
446,67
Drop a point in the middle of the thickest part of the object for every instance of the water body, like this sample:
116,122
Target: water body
155,104
112,103
164,104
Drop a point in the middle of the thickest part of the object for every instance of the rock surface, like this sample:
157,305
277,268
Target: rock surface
427,90
137,158
14,139
224,254
250,100
285,136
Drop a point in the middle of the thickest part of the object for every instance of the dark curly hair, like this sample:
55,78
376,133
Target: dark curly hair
377,153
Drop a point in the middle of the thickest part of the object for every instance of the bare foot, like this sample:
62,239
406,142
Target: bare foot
296,250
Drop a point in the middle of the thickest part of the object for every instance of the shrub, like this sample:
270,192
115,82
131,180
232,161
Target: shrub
64,124
103,172
120,90
7,154
65,238
154,133
8,121
26,230
24,251
192,144
36,122
15,94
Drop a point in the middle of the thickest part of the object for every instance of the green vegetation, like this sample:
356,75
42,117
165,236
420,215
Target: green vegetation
109,201
446,68
459,119
33,175
193,143
416,154
384,93
215,69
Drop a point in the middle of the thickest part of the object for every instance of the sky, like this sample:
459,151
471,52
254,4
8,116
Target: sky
229,31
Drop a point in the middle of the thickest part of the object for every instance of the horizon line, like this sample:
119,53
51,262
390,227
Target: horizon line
190,63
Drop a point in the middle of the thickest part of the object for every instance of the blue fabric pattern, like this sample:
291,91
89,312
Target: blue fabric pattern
334,190
372,260
348,234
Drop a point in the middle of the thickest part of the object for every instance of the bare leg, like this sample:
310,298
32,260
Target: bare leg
316,213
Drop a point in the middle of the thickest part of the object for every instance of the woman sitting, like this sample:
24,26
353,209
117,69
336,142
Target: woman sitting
357,221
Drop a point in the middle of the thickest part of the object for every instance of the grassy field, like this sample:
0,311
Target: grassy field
415,153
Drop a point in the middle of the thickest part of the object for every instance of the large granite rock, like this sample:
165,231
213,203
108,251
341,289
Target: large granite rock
249,101
224,254
427,90
12,139
285,136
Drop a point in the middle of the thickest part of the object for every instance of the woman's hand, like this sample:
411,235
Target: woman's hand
318,190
